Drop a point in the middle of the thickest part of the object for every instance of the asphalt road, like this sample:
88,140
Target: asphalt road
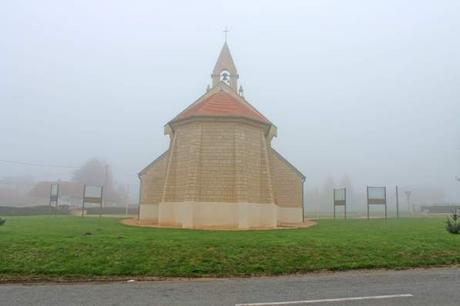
412,287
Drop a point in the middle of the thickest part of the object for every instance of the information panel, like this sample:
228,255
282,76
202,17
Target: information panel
376,196
340,199
94,195
54,195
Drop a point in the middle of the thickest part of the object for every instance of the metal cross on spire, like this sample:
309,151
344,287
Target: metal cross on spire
226,32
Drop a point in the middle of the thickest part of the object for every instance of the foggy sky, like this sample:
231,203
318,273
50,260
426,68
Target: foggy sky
369,89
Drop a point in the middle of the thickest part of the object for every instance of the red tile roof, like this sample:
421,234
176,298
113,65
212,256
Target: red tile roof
221,104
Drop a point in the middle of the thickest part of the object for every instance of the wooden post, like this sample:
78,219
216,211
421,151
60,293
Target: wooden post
83,201
51,198
385,193
333,196
345,206
102,201
367,202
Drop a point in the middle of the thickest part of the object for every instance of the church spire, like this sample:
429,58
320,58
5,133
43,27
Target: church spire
225,69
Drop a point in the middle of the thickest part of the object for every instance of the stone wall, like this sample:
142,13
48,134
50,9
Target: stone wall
153,181
219,161
221,173
287,183
182,176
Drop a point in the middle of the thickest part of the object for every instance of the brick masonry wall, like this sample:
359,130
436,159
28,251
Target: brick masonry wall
219,161
153,181
251,159
182,172
287,185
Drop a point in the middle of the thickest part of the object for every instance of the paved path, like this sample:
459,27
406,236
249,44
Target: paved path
413,287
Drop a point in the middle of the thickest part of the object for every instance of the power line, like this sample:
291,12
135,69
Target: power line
34,164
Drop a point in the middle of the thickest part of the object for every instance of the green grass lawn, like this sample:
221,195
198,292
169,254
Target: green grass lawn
73,247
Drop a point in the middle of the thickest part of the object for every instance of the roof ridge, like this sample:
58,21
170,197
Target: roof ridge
210,105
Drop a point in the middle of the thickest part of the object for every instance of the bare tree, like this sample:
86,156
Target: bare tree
98,172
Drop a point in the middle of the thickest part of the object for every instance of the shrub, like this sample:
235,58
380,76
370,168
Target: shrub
2,221
453,224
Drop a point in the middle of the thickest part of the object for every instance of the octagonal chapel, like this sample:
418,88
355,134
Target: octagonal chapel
220,170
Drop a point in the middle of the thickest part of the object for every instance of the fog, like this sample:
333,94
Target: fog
364,89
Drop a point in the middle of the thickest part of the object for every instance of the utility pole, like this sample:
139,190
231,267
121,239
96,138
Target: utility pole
397,202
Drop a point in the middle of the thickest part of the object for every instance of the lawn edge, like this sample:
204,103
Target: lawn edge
25,280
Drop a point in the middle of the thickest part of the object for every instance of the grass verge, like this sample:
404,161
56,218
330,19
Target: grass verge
65,247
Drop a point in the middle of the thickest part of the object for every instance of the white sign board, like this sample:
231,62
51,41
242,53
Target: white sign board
377,193
339,194
54,190
376,196
93,192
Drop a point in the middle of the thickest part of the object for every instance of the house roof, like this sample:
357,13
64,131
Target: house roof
221,104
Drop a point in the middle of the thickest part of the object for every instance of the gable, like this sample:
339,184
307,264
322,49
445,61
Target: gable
280,157
159,158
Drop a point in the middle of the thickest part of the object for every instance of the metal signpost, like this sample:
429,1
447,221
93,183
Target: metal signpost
397,202
54,196
92,194
340,199
376,196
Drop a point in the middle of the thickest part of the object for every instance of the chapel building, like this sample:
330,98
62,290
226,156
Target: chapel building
220,170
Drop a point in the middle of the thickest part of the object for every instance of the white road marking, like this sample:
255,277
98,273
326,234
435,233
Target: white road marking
358,298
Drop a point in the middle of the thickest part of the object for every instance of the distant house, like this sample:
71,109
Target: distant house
13,190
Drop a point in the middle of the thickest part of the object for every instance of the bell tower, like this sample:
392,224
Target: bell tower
225,69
